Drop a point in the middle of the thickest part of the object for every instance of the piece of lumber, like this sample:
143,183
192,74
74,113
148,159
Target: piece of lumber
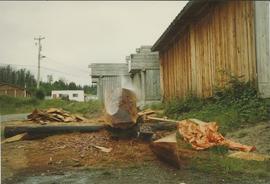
148,112
121,108
101,148
161,119
249,156
32,130
15,138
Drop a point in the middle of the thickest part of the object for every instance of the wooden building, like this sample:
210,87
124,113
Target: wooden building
108,77
207,37
13,90
143,67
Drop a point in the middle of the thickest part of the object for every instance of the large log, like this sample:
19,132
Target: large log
121,108
173,150
158,126
35,130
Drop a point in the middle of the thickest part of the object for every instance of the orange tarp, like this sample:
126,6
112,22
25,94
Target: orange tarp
202,135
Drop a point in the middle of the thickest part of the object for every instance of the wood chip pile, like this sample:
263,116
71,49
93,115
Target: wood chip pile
53,115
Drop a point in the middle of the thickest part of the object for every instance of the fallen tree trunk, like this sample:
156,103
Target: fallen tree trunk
158,126
32,130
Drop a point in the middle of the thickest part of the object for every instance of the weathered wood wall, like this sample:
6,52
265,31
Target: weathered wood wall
222,39
6,89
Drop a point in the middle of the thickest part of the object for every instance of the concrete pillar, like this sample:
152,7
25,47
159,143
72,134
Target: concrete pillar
143,86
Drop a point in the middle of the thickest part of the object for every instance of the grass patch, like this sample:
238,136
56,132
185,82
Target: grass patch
219,164
12,105
154,106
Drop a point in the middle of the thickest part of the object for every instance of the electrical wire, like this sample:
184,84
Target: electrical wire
46,68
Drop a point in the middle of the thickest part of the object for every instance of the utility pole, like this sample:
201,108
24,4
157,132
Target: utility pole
39,57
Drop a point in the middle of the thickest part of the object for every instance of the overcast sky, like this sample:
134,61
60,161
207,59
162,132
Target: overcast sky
79,33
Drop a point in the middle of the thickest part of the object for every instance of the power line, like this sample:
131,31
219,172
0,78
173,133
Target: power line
53,60
46,68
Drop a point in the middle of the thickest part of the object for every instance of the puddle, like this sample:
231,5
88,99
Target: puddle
153,173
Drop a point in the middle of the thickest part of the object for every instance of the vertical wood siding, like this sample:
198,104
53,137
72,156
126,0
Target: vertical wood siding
221,40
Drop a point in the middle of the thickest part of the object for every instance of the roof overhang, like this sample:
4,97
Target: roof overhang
191,12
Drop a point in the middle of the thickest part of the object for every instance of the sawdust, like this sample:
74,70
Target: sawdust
71,151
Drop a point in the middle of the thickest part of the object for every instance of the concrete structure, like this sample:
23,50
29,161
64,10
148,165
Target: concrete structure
77,95
207,37
13,90
144,71
262,36
109,76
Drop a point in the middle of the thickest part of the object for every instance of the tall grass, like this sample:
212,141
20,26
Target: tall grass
12,105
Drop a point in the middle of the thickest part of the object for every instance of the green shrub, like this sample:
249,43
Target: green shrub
40,94
154,106
232,106
178,106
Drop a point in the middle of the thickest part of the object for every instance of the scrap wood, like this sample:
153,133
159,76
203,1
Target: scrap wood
161,119
202,135
53,115
101,148
249,156
146,112
15,138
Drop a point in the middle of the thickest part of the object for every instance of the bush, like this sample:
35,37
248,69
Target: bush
232,106
40,94
178,106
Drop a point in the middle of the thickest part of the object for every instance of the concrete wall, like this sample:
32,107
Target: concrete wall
108,69
109,76
143,59
262,46
152,85
107,84
144,70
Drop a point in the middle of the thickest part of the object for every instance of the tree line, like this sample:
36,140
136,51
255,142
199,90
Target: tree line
24,78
